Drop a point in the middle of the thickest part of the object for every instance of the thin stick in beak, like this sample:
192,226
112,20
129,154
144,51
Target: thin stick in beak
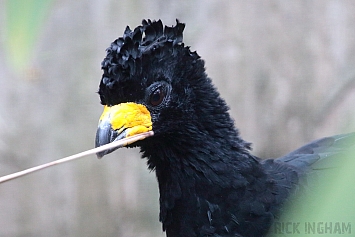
119,143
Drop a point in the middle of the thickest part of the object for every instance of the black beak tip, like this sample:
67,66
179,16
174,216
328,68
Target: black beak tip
104,135
97,144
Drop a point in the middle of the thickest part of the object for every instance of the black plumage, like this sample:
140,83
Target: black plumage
209,183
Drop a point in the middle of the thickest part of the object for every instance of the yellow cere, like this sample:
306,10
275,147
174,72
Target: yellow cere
131,116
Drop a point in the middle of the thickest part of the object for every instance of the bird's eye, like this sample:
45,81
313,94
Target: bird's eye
157,96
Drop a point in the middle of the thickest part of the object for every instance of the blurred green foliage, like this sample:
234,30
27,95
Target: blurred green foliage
327,209
24,19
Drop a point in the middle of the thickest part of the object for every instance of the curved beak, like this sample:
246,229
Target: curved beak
121,121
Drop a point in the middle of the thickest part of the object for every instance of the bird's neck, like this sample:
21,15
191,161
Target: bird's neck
203,164
200,158
198,172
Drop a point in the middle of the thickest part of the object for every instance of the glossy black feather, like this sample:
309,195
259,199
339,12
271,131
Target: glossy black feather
209,183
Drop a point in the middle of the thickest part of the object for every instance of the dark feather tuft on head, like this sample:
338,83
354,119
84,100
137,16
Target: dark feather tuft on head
124,56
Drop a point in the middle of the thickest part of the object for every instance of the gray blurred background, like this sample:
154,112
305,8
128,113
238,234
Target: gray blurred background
286,68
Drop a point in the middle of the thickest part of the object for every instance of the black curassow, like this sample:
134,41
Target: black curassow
209,183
